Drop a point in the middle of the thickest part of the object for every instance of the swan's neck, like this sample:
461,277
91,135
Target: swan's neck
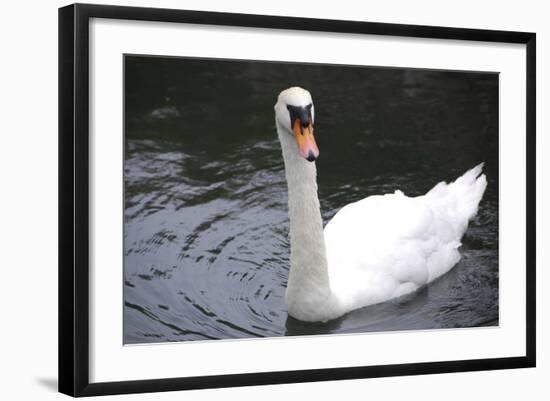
308,290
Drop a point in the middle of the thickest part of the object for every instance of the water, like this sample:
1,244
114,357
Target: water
206,222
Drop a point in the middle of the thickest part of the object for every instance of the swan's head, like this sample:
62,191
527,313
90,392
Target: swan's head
294,113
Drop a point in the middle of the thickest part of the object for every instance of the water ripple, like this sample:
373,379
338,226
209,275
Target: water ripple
206,225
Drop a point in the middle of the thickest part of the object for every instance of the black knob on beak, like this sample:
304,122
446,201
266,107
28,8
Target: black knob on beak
300,113
310,156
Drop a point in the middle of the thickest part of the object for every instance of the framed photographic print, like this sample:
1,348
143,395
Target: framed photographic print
239,206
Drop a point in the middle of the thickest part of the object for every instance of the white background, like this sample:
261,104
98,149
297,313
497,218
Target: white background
28,166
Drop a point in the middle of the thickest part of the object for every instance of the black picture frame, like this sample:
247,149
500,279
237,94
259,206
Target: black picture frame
74,198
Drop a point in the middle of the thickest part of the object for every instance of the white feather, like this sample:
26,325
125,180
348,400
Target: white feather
372,250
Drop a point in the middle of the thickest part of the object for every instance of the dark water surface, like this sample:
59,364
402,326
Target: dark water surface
206,222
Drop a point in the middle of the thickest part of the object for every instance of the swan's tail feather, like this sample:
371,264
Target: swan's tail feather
469,189
470,176
459,200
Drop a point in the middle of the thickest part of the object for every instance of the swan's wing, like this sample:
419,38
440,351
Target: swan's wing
374,248
393,234
385,246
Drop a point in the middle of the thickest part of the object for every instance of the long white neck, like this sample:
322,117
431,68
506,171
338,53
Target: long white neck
308,293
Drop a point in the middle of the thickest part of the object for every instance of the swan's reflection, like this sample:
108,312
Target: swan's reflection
409,312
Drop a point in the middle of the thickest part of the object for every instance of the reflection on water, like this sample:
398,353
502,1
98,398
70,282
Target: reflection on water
206,222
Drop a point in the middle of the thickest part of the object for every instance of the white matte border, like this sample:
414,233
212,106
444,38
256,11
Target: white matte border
111,361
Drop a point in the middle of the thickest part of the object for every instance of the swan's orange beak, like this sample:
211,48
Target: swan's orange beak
305,140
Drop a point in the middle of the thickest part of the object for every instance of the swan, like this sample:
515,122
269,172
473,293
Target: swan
372,250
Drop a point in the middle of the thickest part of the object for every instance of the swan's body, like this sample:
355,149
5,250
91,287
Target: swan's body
372,250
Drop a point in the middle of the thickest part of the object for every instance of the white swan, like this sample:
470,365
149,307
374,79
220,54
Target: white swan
372,250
